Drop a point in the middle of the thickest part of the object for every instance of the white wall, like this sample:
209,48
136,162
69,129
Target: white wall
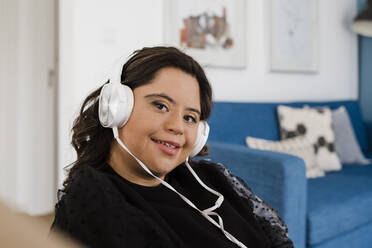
8,134
337,74
94,32
27,144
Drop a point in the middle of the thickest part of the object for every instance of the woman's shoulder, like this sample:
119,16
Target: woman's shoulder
87,179
267,217
94,187
95,212
218,171
207,165
86,186
78,199
89,199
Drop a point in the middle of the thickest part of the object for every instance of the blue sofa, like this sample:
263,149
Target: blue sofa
333,211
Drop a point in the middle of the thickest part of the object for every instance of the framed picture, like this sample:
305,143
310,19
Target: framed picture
211,31
294,35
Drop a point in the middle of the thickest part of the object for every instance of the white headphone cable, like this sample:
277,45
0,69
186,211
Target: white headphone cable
206,212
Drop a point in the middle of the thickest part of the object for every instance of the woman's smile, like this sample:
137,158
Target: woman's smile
168,147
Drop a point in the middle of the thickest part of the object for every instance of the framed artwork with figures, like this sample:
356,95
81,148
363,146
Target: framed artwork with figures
212,31
294,36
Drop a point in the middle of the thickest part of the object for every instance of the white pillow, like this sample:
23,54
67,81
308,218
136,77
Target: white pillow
299,146
316,126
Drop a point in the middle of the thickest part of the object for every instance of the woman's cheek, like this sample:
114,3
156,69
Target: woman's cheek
192,139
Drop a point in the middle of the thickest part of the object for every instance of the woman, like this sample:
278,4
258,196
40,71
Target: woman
132,184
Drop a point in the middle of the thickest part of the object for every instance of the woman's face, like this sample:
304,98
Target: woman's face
162,128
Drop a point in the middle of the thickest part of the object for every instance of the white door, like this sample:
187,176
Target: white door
28,104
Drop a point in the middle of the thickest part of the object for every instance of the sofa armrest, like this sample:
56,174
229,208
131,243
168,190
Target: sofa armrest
277,178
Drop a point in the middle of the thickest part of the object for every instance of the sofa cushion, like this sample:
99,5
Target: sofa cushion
368,156
347,146
231,122
359,237
355,115
339,202
316,126
298,146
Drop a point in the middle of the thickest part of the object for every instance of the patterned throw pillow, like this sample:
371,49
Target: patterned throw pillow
316,126
347,146
299,146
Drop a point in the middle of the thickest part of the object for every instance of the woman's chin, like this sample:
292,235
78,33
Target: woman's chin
162,171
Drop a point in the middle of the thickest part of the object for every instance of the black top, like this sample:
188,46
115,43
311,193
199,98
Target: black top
102,209
188,223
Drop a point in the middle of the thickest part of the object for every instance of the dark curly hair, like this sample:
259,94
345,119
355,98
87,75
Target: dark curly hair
92,141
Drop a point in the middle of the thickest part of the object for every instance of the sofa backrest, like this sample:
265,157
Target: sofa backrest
232,122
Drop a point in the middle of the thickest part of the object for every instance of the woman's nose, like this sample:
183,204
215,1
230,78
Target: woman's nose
175,123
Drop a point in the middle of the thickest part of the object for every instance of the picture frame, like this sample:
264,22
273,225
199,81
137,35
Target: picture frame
294,36
211,31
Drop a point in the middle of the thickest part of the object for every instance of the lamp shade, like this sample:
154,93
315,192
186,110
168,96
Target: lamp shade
363,21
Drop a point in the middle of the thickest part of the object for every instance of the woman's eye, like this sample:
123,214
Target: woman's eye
160,106
189,118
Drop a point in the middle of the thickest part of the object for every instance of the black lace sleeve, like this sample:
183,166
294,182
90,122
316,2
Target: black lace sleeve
267,217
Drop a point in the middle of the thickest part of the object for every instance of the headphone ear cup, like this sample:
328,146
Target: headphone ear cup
115,104
201,139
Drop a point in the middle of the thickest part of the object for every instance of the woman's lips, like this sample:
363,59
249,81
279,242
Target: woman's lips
168,147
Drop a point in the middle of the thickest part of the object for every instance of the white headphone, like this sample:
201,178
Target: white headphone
116,104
